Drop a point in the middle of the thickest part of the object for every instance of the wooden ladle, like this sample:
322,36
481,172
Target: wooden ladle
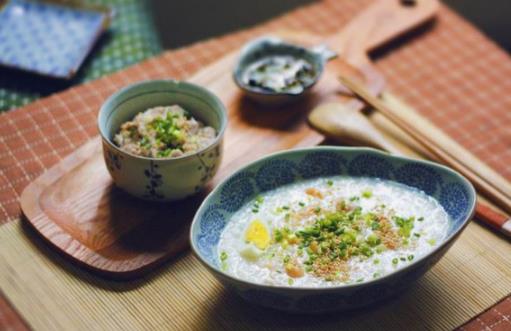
343,124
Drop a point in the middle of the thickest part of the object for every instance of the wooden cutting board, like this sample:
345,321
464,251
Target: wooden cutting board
76,208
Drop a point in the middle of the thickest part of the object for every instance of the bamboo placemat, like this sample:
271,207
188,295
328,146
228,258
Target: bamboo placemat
451,73
52,294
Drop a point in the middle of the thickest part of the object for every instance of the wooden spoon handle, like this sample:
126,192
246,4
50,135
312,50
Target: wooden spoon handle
380,22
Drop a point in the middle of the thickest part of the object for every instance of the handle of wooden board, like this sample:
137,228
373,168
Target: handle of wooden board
380,22
414,131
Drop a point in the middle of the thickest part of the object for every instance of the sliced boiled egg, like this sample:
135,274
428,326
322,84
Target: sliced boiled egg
257,239
258,234
250,253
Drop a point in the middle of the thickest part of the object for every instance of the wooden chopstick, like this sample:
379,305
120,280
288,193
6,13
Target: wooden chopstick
485,213
491,178
436,150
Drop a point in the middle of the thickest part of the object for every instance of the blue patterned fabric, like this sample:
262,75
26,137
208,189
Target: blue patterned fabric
48,39
130,38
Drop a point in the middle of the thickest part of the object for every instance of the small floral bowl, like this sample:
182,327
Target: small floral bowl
453,192
169,178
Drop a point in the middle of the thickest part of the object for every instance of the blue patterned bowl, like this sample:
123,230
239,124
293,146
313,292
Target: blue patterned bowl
155,178
453,191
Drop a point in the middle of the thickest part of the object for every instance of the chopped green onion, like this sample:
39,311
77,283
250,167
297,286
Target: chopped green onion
373,240
259,199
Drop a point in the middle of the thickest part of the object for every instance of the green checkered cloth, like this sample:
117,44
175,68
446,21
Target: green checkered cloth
131,38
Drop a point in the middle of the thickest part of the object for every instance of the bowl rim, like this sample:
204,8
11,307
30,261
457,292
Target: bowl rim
446,241
177,84
247,48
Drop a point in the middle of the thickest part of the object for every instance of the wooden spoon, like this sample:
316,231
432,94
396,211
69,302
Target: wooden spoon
345,125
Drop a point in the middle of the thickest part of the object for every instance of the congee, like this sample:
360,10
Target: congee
331,231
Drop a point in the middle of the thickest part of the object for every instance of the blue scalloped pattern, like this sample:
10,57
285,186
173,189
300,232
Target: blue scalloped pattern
455,200
236,191
420,176
321,164
212,220
211,225
275,173
205,246
370,166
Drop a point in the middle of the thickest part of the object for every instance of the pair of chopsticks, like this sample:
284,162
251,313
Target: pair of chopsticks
484,212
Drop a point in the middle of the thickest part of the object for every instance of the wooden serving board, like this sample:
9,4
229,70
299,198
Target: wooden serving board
77,209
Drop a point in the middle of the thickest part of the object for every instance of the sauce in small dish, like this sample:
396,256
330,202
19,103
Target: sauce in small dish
279,73
271,71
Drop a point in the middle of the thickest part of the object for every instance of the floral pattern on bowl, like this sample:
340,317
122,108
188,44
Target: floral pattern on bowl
452,190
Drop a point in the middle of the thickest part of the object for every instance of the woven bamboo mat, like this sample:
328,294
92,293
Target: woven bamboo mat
52,294
450,72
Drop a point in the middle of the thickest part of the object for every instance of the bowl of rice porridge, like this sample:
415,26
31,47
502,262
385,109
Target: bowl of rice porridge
162,140
329,228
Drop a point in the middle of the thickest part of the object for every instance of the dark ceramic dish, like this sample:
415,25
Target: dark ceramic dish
267,46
